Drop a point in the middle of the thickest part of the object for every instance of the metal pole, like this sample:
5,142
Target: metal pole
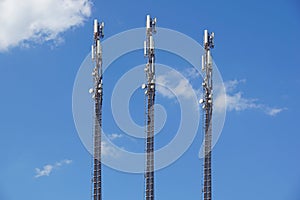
150,94
207,102
97,92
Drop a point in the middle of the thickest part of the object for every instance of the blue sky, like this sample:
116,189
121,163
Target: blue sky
42,46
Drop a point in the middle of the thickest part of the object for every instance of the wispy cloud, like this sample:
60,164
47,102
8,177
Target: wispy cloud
192,73
273,111
232,84
47,169
115,136
235,101
109,150
39,20
173,84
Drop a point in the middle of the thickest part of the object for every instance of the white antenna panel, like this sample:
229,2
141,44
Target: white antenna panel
153,68
93,53
98,47
209,60
148,21
151,42
205,37
145,48
95,26
203,63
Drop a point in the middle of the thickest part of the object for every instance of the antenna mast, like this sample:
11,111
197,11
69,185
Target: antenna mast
97,92
150,96
207,101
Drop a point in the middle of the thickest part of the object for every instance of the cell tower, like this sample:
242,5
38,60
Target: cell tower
97,92
149,113
207,101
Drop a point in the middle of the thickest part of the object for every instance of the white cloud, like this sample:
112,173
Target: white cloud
67,161
109,150
39,20
235,101
274,111
192,73
173,85
238,103
232,84
47,169
114,136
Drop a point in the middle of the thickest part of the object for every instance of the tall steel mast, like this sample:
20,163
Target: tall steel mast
150,96
97,91
207,101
